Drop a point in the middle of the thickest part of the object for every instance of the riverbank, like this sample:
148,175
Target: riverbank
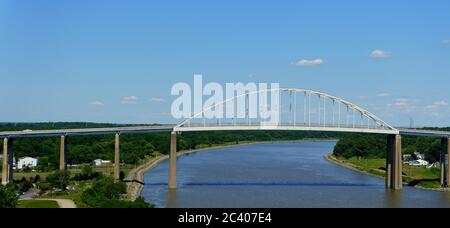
137,175
371,172
376,171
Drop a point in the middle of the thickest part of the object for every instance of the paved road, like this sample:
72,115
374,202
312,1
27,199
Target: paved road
29,195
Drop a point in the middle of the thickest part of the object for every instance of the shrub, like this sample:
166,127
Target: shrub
59,179
105,193
87,173
8,198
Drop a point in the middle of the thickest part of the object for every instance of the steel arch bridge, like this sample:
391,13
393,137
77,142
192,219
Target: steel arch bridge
300,110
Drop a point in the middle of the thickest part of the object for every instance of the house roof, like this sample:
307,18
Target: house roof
28,158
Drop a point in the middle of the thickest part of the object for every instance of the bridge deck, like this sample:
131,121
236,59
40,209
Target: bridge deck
169,128
419,132
282,127
87,131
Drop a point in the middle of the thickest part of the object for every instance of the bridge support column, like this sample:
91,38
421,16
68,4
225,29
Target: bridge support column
8,161
62,154
117,157
442,166
173,161
445,167
394,163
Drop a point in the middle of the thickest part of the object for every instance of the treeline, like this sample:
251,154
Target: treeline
85,149
375,146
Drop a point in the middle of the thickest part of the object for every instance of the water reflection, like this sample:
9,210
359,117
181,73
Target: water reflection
172,198
393,199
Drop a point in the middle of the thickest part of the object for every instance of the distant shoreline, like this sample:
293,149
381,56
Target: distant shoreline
330,158
135,189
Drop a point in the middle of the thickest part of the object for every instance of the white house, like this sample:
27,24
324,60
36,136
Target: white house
27,162
100,162
418,163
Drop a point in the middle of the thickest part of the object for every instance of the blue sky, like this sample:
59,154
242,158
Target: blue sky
115,61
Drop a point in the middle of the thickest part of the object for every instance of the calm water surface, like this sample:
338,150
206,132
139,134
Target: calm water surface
279,175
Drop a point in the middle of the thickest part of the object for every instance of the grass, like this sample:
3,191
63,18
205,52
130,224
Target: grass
415,176
429,184
37,204
374,166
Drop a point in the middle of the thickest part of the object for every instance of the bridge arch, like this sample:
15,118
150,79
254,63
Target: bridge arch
309,113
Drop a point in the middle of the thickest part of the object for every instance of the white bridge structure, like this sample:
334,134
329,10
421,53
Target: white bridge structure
298,110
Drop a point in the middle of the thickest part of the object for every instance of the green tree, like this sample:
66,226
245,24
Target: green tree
59,179
8,198
106,193
87,173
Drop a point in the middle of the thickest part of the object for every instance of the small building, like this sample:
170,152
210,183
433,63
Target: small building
100,162
418,163
27,162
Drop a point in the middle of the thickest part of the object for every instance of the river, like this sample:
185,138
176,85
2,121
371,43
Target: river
278,175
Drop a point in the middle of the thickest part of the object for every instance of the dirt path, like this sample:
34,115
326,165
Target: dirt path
65,203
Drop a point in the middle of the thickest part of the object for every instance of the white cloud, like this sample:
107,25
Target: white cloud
383,95
438,104
402,103
129,100
380,54
157,99
305,62
96,104
435,114
446,41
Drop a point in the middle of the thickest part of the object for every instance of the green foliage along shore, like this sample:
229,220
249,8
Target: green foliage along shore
375,146
367,146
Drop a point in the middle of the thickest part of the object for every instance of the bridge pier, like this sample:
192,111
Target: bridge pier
394,163
442,166
173,161
8,160
445,168
117,157
62,154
